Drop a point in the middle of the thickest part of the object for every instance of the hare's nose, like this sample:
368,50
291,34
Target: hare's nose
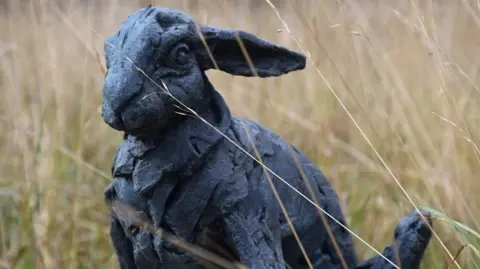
111,118
119,89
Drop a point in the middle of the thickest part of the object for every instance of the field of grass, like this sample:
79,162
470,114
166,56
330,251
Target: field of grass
389,98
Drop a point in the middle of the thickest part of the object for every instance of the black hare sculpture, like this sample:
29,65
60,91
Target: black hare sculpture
185,177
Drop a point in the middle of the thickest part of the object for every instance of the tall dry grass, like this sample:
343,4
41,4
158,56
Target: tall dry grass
406,71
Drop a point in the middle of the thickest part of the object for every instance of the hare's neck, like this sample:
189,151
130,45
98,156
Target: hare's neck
189,144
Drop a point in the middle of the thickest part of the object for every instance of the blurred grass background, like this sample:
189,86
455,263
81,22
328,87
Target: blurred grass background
407,71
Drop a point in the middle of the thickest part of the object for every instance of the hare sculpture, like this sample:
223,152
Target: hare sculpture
193,175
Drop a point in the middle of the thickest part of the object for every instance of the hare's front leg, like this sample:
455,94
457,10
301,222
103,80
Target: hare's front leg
122,246
256,242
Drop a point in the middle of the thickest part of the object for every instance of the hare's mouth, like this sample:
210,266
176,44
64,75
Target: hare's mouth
112,118
115,115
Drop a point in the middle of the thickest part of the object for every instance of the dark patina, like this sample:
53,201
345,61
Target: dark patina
185,177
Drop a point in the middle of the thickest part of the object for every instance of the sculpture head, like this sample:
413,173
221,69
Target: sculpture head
160,45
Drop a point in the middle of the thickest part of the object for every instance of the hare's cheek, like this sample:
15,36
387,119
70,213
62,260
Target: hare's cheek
189,89
144,112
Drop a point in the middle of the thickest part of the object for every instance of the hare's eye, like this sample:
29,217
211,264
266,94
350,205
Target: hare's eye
133,230
181,55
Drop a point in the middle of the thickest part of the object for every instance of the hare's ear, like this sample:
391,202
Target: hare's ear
268,59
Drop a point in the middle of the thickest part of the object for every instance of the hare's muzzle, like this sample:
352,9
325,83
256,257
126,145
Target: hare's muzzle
118,91
110,118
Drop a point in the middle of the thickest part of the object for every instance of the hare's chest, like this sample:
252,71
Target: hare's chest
123,163
176,202
189,208
141,167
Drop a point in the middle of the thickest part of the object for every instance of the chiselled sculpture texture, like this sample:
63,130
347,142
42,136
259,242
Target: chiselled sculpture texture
185,177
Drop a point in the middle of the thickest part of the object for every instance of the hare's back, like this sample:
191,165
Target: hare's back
303,189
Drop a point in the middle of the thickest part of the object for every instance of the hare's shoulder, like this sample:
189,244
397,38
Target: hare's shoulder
266,140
